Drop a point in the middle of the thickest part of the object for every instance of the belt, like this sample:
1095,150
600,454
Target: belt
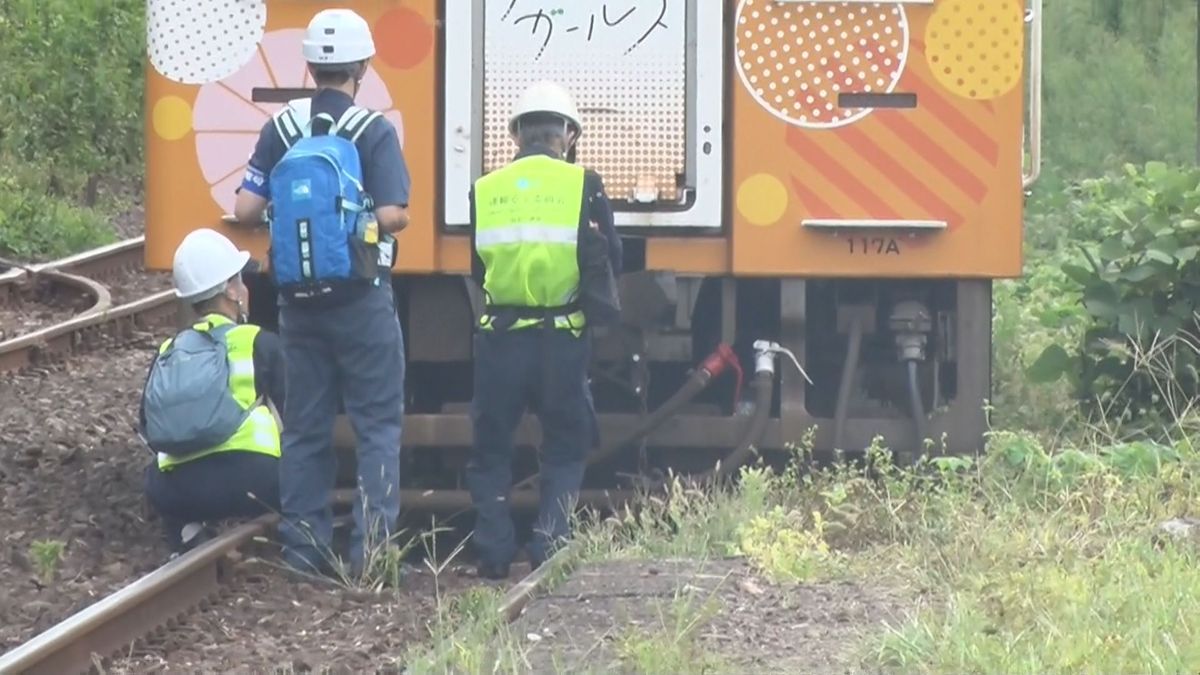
507,315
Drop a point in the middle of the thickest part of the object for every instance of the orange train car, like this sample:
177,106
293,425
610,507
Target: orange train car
840,179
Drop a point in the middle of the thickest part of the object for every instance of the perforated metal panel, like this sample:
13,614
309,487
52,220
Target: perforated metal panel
626,65
647,76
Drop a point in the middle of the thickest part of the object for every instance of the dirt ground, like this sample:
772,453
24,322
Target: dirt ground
71,471
268,622
751,625
129,285
131,223
38,304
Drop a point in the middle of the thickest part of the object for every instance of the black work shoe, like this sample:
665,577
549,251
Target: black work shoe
492,571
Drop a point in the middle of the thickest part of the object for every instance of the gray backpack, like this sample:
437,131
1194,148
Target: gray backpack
187,403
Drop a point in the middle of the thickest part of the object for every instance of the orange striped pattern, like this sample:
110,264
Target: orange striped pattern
900,164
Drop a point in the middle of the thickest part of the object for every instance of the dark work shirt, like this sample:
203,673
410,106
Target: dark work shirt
268,371
596,208
384,170
385,173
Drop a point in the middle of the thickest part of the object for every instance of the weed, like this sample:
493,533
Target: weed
35,225
785,547
46,555
670,647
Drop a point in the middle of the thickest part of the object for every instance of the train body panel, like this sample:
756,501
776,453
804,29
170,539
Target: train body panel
203,122
843,179
744,131
927,184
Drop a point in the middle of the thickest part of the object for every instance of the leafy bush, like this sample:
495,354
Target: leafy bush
1113,90
784,547
71,90
1140,285
37,226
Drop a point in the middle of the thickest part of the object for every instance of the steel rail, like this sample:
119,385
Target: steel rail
138,609
135,610
81,272
94,263
25,350
102,261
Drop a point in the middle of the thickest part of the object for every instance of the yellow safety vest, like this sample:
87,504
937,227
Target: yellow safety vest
526,233
259,433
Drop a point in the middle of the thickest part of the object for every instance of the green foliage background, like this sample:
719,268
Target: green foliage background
71,91
1119,88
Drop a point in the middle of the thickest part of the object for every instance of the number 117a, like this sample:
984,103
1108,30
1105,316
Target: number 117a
873,246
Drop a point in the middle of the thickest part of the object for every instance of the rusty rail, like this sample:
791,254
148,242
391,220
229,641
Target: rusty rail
81,271
100,262
135,610
110,625
62,338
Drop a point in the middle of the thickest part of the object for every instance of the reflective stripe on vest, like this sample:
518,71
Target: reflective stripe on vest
259,433
526,233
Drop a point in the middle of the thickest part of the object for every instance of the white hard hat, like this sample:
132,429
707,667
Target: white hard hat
204,261
546,96
338,36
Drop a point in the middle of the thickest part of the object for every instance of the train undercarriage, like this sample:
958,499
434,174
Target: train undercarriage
692,380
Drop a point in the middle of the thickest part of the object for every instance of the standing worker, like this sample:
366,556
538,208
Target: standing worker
204,410
329,167
545,252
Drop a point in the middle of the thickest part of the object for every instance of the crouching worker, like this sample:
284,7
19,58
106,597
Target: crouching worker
204,409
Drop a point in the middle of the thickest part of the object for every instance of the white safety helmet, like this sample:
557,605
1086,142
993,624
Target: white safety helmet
549,97
338,36
204,261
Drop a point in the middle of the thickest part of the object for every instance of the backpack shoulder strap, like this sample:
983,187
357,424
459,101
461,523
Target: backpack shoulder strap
294,121
219,333
354,122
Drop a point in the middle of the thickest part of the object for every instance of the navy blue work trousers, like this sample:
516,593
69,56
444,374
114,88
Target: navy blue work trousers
224,485
355,351
516,370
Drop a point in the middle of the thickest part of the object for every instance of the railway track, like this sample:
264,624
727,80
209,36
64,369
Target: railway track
172,592
95,274
168,594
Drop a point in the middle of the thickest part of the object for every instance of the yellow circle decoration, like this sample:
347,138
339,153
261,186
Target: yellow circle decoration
976,48
172,118
762,199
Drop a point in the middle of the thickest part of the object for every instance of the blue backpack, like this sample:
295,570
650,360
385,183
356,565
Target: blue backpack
317,200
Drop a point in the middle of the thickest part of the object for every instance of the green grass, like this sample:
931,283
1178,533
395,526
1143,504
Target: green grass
669,645
46,555
35,226
1028,559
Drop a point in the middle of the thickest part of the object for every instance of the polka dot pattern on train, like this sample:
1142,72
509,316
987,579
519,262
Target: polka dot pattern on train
975,48
762,199
171,118
795,59
198,42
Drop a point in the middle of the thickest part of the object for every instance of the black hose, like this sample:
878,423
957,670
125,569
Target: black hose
696,383
918,408
853,353
764,389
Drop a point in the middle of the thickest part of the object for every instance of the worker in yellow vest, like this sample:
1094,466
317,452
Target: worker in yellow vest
535,227
205,409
